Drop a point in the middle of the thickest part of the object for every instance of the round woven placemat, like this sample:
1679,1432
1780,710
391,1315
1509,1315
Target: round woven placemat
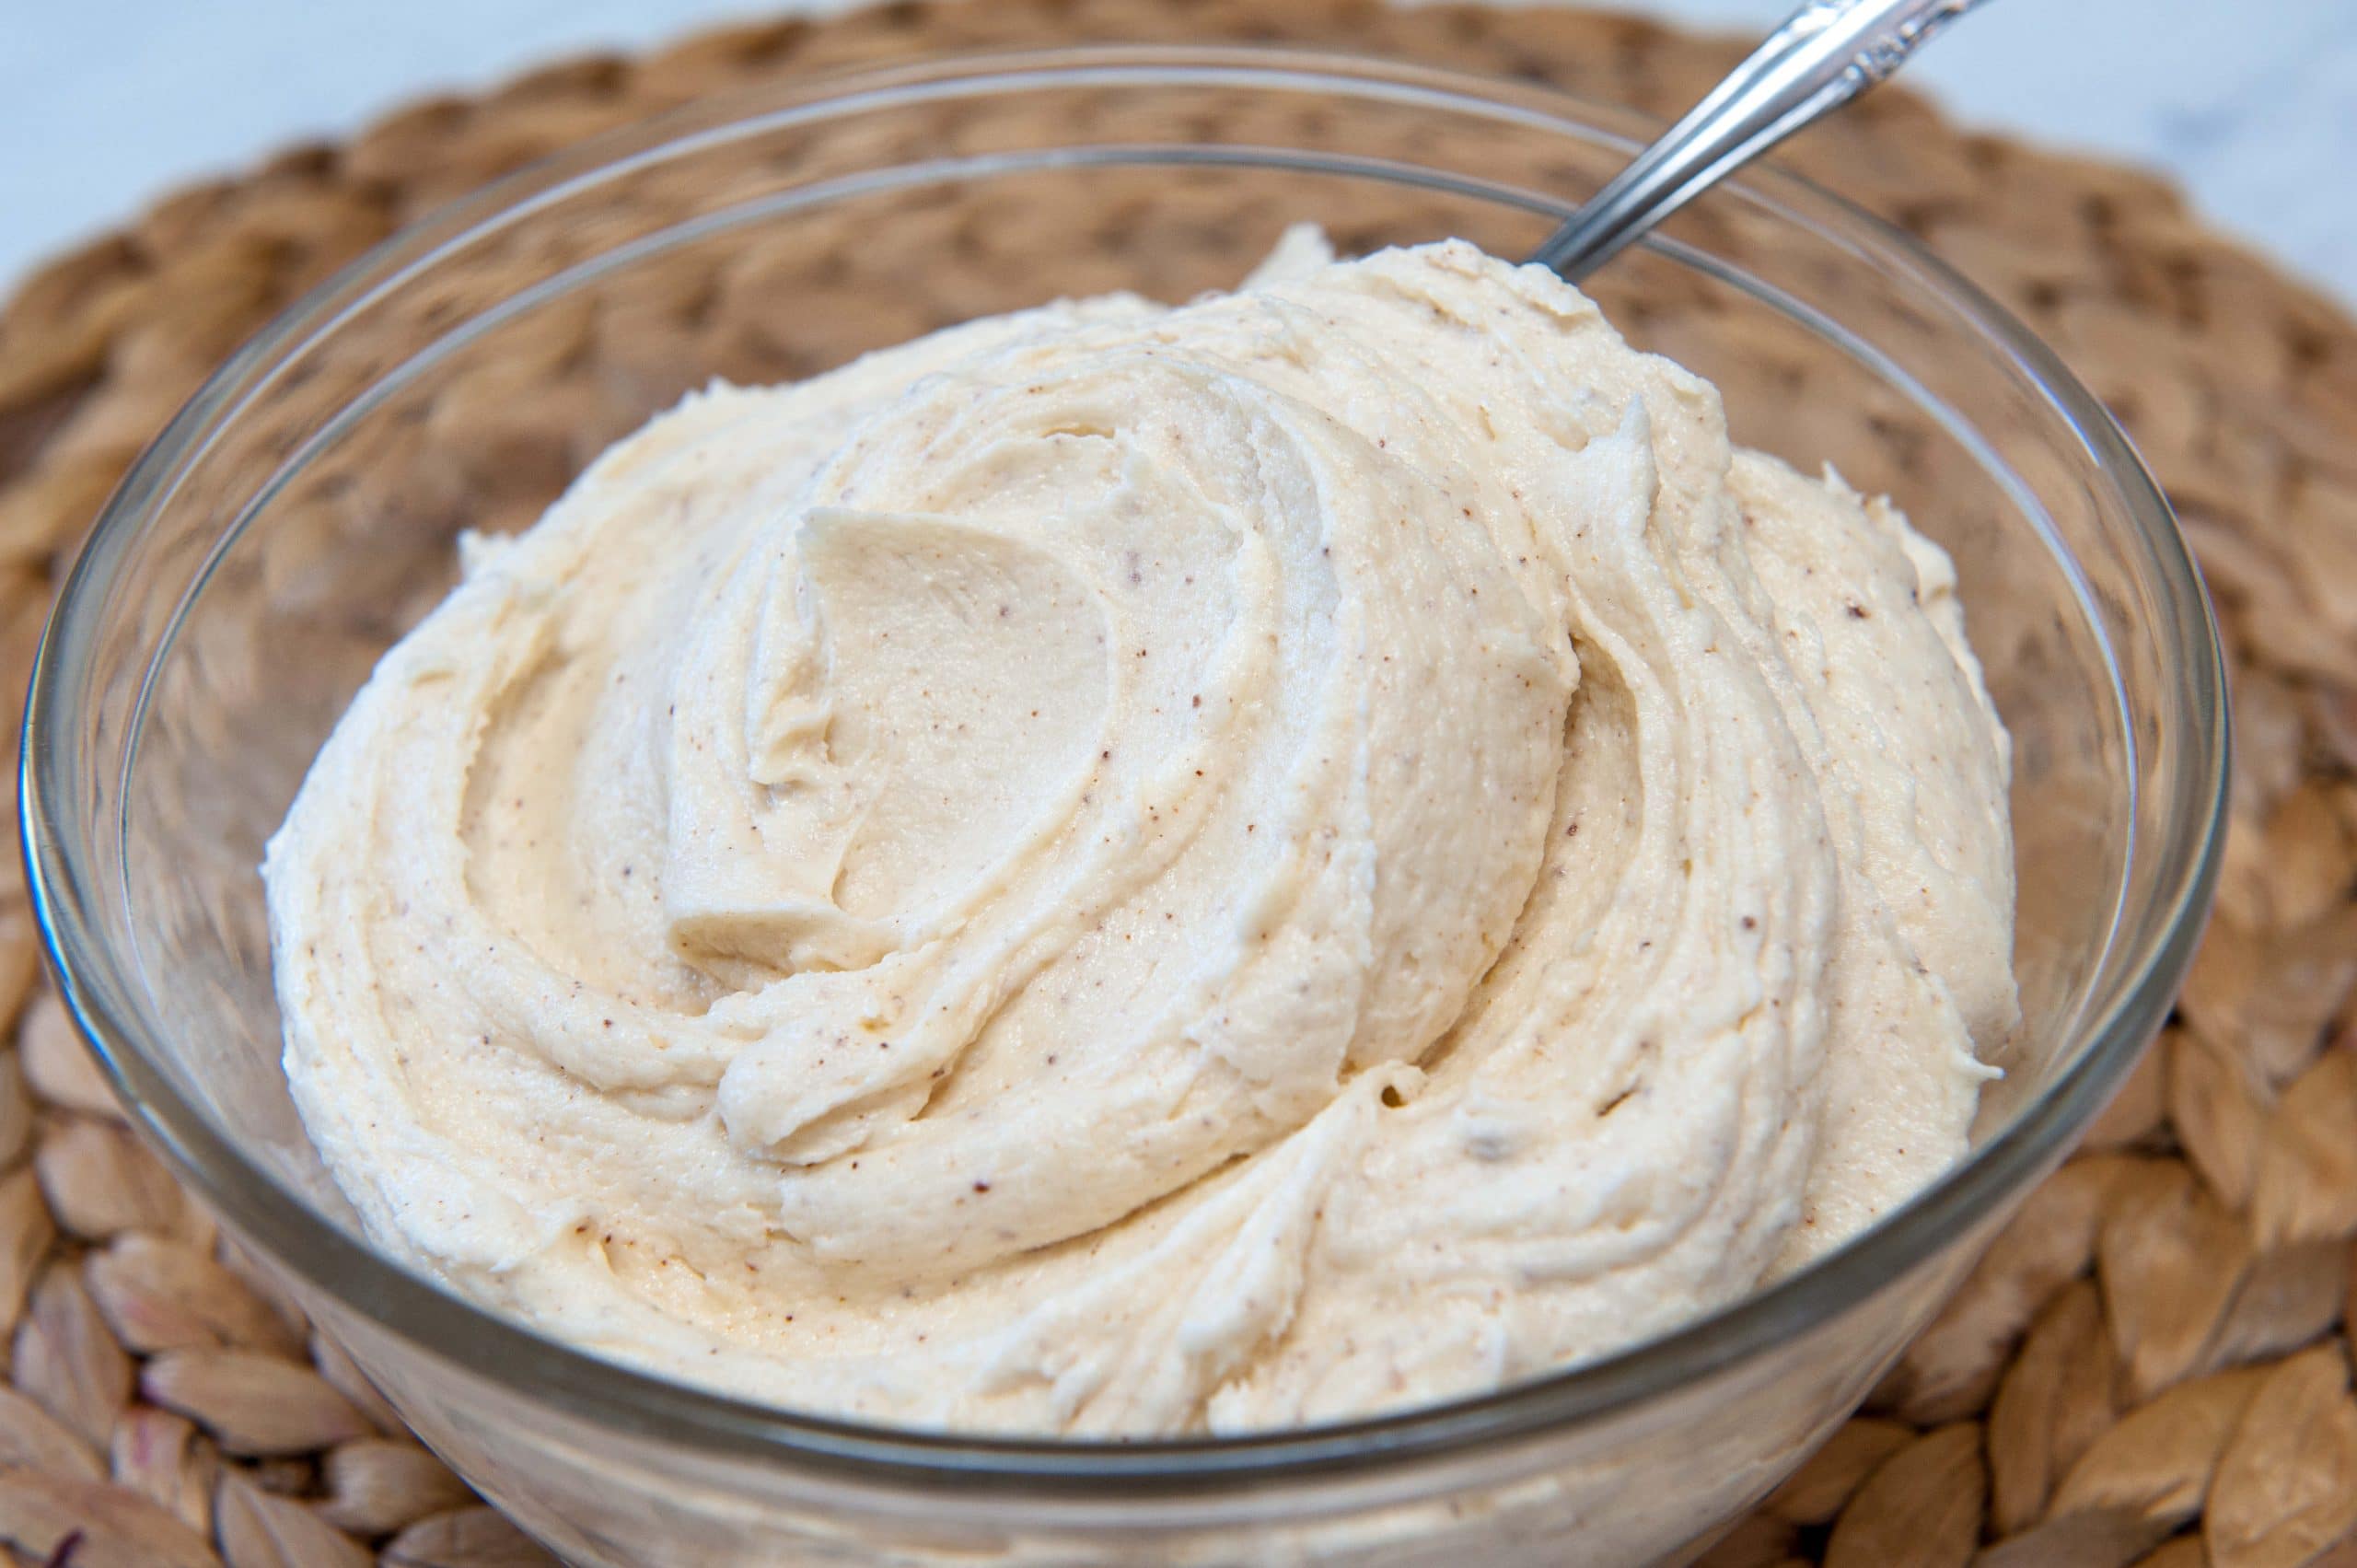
2149,1367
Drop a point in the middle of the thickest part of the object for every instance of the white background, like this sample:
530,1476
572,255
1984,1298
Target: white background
2251,104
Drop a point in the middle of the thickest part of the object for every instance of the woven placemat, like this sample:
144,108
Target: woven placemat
2149,1367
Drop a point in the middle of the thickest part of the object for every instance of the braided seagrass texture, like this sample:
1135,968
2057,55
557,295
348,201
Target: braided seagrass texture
2151,1366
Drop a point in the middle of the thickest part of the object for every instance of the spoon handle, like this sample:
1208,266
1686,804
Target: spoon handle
1826,53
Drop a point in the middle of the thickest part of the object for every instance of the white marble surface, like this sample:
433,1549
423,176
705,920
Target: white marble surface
2251,104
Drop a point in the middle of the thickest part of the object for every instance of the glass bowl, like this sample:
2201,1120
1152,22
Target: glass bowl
300,513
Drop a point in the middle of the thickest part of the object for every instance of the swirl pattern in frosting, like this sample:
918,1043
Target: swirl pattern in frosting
1121,869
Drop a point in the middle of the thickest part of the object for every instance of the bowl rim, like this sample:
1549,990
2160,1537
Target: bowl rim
431,1319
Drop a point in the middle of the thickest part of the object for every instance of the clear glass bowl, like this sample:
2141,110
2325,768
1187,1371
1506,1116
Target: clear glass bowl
300,513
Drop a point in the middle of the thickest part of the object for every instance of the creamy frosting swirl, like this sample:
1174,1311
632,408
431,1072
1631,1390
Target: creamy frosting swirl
1135,870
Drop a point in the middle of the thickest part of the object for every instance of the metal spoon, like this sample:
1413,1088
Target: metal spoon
1826,53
